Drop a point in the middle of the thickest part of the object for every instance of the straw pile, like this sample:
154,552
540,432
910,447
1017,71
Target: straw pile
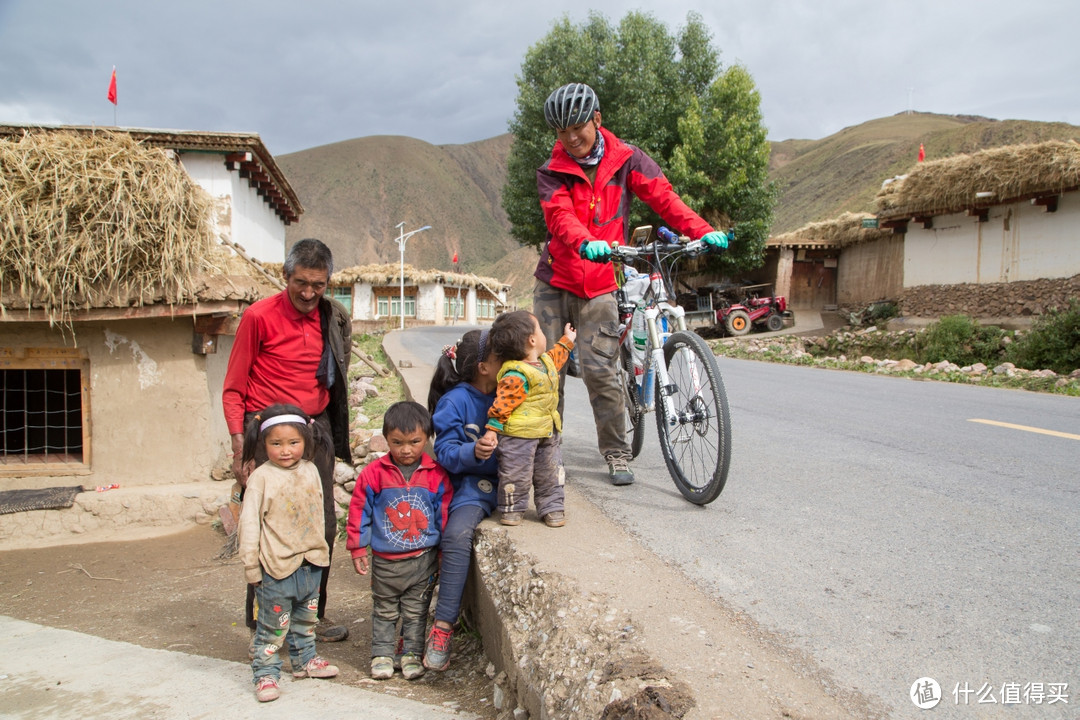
841,231
1010,173
390,274
97,220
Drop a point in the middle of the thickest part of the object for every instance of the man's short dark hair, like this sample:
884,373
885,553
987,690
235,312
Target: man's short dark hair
311,254
406,416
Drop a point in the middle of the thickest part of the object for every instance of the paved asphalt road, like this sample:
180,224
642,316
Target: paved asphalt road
875,525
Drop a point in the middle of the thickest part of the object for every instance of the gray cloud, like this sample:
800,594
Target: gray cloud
311,74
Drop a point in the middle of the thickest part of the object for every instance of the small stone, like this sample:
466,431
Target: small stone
378,444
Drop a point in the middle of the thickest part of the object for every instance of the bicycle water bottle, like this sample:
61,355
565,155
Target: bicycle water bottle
639,336
646,388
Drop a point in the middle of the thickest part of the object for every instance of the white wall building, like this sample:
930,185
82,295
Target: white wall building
1008,242
432,297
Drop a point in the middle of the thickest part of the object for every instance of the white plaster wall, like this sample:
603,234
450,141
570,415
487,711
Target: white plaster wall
429,304
252,222
363,304
1019,241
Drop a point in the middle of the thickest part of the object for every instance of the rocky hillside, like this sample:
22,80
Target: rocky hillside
356,192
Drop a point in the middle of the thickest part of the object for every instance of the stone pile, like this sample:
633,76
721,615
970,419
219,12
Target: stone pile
990,300
792,348
366,444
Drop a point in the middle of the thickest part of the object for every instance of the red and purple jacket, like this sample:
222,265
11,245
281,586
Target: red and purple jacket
398,518
576,210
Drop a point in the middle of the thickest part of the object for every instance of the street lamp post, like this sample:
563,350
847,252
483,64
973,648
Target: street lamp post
401,238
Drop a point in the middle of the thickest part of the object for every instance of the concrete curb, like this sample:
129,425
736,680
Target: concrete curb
582,622
547,669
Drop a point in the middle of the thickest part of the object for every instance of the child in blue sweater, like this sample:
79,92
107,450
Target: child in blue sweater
461,392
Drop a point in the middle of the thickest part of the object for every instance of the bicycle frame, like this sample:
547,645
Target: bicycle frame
692,416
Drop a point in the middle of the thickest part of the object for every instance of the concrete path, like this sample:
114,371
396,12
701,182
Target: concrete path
50,674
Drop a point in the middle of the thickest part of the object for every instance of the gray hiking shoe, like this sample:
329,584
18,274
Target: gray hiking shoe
619,472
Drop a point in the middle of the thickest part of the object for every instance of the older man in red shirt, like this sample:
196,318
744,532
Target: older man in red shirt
294,347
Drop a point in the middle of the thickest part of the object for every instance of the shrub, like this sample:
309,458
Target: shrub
1052,343
882,311
960,340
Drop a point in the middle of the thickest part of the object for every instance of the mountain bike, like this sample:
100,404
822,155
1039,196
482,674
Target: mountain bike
666,368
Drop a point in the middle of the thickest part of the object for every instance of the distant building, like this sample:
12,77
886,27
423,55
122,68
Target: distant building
432,297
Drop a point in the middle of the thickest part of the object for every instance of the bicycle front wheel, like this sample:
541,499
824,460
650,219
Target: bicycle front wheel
696,439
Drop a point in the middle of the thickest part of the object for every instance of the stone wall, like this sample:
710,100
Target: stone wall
997,300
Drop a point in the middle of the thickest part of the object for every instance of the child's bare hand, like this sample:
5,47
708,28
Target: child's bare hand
570,332
360,564
485,446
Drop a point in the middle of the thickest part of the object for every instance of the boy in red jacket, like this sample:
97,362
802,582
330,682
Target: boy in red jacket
399,509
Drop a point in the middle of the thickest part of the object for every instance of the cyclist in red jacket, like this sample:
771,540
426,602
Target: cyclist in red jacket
585,195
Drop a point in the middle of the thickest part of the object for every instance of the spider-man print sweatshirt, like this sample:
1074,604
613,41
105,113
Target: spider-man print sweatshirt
398,518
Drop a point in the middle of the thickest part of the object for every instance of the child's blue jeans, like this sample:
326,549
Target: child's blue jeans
287,609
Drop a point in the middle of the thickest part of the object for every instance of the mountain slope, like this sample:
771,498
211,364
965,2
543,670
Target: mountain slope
355,192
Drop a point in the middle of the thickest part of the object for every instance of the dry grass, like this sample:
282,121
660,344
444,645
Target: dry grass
840,232
95,220
1009,173
390,274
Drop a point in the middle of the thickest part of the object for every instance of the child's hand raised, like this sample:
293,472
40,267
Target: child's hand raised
570,332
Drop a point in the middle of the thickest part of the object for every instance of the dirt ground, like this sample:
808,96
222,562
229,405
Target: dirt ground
172,593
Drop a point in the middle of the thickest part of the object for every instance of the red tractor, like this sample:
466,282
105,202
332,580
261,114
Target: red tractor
755,306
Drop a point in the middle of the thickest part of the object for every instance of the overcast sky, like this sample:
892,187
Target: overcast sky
302,74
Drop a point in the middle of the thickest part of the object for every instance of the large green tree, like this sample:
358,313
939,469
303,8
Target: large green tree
668,95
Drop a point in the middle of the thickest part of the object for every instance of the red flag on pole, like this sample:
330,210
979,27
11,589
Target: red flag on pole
922,153
112,87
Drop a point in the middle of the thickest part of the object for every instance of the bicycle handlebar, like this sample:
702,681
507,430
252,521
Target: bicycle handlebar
669,245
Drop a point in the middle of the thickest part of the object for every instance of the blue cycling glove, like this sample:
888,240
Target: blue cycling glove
595,250
716,239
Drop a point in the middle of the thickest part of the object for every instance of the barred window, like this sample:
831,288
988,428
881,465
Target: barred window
44,423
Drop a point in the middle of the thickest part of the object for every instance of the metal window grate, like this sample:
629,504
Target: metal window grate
42,415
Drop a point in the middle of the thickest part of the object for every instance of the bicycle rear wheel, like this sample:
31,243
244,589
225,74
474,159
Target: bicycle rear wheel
635,414
696,441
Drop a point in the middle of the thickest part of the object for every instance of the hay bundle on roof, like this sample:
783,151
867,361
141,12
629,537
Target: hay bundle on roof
390,274
1010,173
841,231
84,218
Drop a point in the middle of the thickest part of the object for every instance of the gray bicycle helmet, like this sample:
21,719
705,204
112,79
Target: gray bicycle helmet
569,105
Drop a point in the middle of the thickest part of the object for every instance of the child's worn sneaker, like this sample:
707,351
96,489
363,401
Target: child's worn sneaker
411,667
511,518
556,518
382,668
437,650
316,667
266,689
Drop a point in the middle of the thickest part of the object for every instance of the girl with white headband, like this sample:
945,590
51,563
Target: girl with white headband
283,546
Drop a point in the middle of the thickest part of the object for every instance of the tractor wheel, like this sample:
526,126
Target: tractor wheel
737,323
774,322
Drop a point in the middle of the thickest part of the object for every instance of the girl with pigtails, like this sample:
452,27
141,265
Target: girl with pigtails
283,546
462,390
